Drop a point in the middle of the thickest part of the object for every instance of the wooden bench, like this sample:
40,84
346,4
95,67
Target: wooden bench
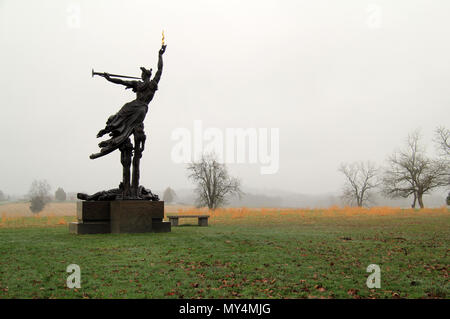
202,219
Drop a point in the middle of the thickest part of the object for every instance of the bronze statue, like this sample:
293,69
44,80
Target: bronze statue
120,126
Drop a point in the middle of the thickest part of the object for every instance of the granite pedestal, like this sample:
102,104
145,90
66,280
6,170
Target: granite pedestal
119,216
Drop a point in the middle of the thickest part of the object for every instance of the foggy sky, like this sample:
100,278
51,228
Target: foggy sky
339,87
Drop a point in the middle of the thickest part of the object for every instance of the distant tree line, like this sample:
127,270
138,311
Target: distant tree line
409,172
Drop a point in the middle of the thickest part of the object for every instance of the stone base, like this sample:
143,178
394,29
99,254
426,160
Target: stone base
119,216
161,227
89,228
135,216
93,211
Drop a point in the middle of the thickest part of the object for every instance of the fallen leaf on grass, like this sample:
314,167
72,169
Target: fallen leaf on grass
352,292
320,288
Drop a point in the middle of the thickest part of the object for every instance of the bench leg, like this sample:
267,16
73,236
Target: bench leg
173,221
203,221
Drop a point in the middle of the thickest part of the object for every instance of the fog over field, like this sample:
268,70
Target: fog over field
342,81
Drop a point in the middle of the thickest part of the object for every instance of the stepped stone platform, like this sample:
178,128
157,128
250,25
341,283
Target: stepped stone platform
119,216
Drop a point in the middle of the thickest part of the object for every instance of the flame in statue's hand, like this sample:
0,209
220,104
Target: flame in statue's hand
163,37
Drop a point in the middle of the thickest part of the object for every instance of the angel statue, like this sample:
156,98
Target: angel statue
129,120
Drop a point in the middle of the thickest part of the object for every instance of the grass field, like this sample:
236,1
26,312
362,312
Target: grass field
244,253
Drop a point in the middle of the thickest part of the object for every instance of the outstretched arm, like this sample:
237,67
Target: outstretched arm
158,73
128,84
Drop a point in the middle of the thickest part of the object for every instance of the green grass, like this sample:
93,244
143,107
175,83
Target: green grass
266,257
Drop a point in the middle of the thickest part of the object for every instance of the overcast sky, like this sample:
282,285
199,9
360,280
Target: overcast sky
342,80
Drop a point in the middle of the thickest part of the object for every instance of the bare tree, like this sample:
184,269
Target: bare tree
442,140
39,194
361,179
169,195
411,172
214,184
60,194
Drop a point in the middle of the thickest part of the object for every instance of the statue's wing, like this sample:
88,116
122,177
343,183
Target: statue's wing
112,144
123,124
104,151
